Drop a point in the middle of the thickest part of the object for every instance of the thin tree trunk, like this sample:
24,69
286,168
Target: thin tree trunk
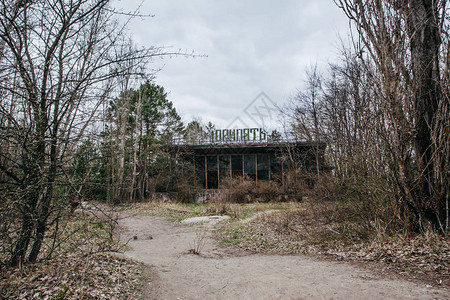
23,241
135,147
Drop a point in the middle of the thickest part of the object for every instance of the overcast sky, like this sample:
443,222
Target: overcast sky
251,46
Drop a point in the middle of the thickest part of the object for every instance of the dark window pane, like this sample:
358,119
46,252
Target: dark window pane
211,162
249,164
236,163
275,164
199,164
200,171
224,164
212,180
201,180
263,175
263,162
224,169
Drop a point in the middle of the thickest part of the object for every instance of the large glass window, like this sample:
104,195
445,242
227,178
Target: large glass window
224,168
200,170
212,179
275,168
263,167
224,164
236,165
275,164
250,166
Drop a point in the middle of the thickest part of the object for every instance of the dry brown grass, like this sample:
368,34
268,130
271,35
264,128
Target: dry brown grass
73,277
78,268
340,231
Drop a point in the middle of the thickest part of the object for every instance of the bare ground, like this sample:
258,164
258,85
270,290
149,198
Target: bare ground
218,273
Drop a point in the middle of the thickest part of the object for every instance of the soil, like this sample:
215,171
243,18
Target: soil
223,273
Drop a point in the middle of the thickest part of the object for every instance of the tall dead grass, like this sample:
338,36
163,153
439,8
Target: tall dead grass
237,191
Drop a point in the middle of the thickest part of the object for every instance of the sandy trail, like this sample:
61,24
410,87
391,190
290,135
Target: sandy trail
221,274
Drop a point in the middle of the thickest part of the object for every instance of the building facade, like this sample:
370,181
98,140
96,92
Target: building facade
214,164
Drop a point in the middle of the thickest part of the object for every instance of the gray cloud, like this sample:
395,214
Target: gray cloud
252,46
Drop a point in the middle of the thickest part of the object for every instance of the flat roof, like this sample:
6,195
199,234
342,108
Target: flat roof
242,148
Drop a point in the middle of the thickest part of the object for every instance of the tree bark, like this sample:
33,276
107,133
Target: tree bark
422,24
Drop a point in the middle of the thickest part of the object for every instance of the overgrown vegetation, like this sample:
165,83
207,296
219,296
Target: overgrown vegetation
238,190
382,109
72,124
339,230
60,61
75,265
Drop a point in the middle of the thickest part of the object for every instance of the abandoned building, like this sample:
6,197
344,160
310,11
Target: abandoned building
247,153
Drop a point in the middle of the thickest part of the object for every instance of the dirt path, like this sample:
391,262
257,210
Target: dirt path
220,274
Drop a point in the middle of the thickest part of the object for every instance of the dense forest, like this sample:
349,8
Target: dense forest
81,118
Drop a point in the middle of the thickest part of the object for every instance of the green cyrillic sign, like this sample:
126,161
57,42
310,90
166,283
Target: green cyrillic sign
239,135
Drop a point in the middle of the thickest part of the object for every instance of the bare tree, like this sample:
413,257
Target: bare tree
60,60
404,48
305,112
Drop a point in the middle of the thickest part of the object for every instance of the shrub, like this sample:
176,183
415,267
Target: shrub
185,192
266,191
239,190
